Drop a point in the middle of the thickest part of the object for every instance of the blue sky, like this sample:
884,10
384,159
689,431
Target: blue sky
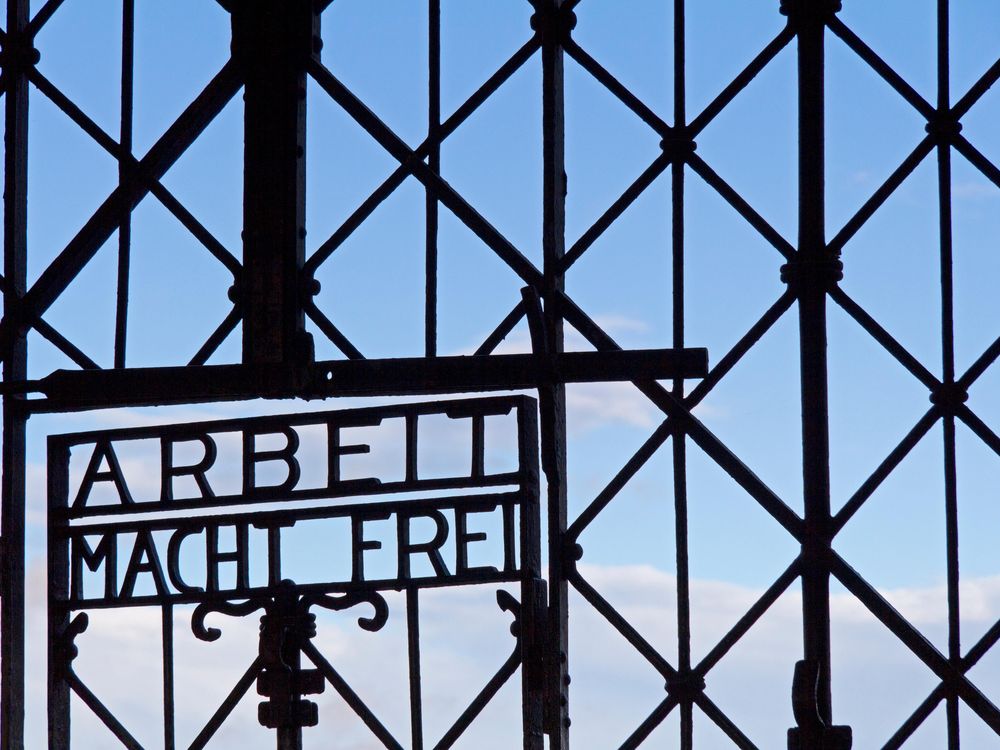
378,48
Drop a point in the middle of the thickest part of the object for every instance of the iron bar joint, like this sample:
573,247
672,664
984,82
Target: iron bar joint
805,13
808,272
553,22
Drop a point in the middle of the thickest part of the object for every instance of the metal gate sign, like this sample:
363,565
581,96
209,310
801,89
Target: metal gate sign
204,520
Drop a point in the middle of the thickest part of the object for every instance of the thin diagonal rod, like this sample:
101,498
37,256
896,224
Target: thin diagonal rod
750,618
884,469
881,67
983,645
723,722
904,170
64,345
197,229
50,334
744,209
220,334
976,158
941,691
651,722
621,204
925,709
350,697
624,475
979,427
502,330
623,626
616,87
331,331
733,357
916,642
227,706
980,366
883,337
101,711
484,696
742,80
42,17
979,88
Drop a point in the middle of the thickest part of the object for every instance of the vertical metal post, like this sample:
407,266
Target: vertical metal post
59,647
288,736
273,40
554,23
413,659
948,366
18,55
811,274
533,610
434,162
124,177
679,440
169,721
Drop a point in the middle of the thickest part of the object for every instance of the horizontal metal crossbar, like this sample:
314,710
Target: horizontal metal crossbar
67,390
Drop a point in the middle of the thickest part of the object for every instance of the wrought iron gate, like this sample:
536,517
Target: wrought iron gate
276,54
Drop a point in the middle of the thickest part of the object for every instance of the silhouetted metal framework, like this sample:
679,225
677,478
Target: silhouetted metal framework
276,47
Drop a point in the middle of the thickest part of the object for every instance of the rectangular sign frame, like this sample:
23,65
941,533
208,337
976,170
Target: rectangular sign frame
73,520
